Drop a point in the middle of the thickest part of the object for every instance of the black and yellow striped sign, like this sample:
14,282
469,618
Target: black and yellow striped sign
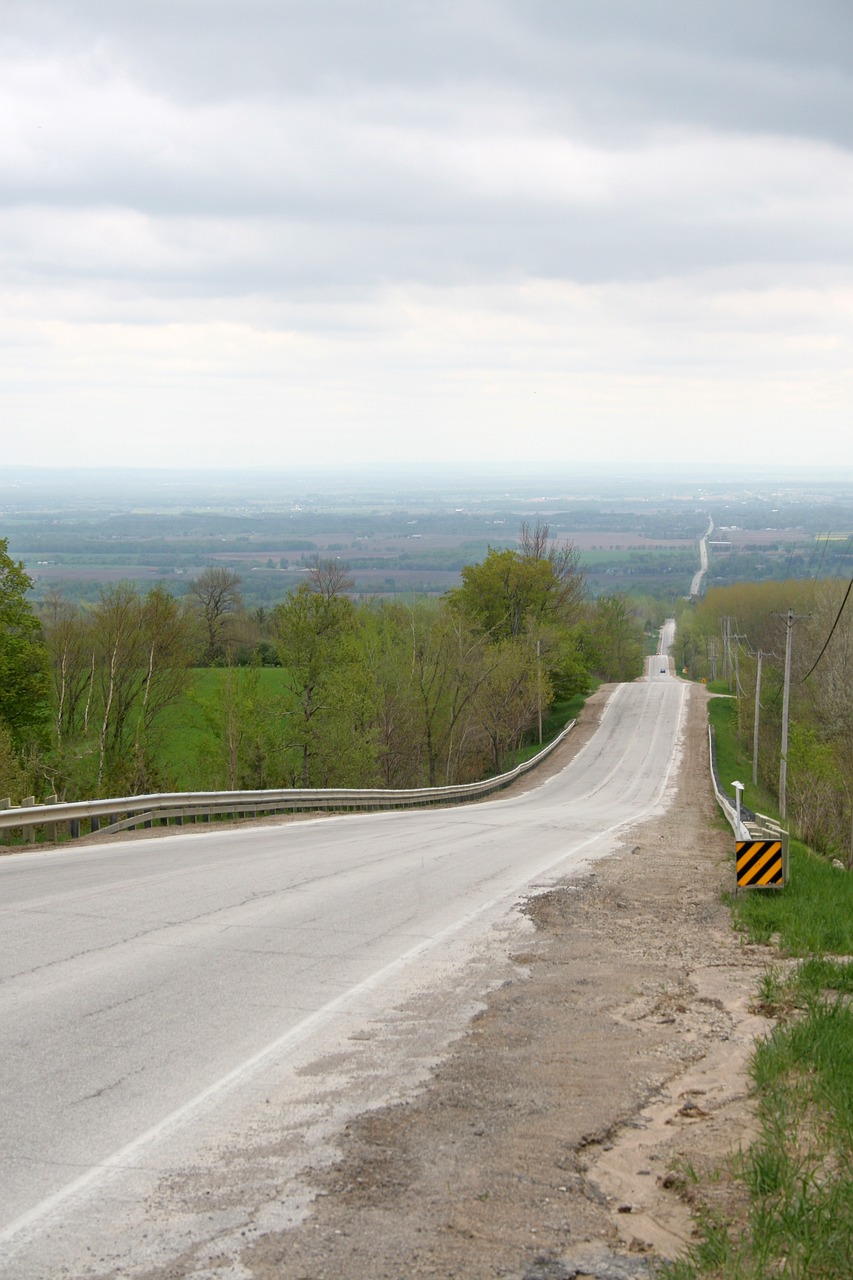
759,863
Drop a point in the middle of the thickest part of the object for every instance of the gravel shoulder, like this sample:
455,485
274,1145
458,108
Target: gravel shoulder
613,1053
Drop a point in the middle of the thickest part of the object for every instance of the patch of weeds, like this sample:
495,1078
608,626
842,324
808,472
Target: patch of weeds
708,1257
773,999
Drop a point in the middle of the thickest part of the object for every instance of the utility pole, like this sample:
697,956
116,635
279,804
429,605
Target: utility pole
790,619
737,640
755,726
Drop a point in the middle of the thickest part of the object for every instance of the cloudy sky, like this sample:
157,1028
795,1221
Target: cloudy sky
243,232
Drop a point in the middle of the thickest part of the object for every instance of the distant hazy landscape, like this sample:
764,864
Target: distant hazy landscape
406,532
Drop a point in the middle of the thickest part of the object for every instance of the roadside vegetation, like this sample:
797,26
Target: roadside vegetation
784,1207
721,639
144,691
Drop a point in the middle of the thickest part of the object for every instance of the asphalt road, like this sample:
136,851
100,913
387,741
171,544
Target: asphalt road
696,584
143,984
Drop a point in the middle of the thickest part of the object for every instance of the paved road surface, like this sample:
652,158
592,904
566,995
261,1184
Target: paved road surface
696,584
145,986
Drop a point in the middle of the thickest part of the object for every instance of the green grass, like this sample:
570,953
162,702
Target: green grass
734,761
186,730
811,916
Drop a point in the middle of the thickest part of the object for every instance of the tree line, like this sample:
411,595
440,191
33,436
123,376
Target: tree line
369,692
722,639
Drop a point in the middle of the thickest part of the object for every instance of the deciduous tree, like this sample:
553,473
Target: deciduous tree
24,678
215,596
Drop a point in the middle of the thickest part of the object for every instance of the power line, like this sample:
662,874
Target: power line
832,632
814,553
790,559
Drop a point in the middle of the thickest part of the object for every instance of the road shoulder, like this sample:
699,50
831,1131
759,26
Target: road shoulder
546,1143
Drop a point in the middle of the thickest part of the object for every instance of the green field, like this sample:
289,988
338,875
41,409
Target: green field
186,729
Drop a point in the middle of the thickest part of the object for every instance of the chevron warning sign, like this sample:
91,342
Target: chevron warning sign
759,864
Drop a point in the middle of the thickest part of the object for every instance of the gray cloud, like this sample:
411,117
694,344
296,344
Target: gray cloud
773,64
383,171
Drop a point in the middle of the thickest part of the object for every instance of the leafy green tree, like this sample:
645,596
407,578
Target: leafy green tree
243,749
116,667
503,595
315,632
386,639
613,639
448,663
509,698
534,594
13,780
24,678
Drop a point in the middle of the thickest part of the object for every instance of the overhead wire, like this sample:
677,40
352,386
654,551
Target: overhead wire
831,633
822,554
814,553
790,559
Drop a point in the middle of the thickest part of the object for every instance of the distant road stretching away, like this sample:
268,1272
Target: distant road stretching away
696,584
147,983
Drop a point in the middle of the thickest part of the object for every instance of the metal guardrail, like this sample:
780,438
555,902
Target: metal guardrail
127,812
722,795
725,802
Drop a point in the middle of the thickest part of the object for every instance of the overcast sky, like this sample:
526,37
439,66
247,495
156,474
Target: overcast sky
243,232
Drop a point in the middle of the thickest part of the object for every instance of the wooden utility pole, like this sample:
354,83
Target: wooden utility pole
755,726
790,619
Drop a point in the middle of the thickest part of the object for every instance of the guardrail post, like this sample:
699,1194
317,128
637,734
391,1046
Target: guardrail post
95,824
5,836
29,832
50,827
74,828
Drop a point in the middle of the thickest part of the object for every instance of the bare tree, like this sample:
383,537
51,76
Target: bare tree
567,588
215,594
329,578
